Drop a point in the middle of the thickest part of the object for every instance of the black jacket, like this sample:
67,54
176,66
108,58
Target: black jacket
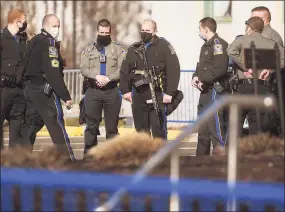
12,54
43,58
213,62
162,56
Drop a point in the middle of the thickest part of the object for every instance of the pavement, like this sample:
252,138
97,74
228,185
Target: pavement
43,140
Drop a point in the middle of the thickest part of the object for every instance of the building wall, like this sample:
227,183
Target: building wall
178,22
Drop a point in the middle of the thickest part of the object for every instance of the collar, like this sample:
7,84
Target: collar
45,33
210,42
267,26
255,34
7,33
154,40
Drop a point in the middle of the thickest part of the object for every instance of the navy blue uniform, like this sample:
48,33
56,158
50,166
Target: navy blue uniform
212,68
44,67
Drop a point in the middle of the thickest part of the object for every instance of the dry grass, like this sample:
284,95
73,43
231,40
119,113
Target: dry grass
130,150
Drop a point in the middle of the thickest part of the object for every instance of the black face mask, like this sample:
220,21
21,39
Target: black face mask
146,37
104,40
24,27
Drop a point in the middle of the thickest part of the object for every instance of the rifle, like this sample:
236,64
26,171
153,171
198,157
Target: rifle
233,80
152,79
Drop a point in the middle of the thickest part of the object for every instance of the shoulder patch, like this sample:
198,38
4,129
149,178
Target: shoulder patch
217,41
218,49
88,48
171,49
55,63
53,52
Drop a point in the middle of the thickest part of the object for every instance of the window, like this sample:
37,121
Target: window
221,11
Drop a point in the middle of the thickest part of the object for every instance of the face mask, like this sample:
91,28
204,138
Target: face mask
146,37
202,36
24,27
54,31
104,40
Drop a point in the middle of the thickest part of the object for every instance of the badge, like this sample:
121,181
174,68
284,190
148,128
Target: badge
52,52
218,49
206,52
55,63
171,49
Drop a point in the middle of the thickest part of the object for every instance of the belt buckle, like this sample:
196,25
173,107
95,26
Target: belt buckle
149,101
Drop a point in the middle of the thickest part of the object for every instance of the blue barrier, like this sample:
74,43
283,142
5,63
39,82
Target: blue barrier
36,189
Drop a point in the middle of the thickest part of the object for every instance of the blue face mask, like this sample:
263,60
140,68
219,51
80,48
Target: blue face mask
202,36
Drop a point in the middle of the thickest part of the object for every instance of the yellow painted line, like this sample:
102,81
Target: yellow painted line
79,131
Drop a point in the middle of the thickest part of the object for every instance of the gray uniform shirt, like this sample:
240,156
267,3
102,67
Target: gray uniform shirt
90,64
235,50
271,34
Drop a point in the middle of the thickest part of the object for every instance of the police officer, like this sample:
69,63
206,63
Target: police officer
268,32
254,27
13,104
45,86
100,65
210,72
162,57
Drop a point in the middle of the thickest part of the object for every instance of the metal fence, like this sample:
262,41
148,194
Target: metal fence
185,113
42,190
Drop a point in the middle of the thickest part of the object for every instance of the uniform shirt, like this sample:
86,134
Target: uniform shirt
90,65
12,53
42,58
213,62
271,34
235,50
161,55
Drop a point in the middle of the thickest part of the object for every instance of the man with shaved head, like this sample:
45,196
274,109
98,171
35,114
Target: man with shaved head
264,13
163,61
45,86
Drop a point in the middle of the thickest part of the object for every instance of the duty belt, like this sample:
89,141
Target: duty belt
35,80
251,81
92,84
139,72
141,81
9,81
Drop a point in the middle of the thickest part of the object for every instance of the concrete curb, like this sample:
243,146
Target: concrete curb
79,131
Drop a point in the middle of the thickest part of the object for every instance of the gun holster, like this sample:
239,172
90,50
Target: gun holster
82,113
218,87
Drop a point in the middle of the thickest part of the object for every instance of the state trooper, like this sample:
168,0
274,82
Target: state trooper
211,71
45,87
13,103
254,27
100,65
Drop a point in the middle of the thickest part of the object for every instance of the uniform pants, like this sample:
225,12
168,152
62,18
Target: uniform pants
213,130
13,105
278,99
268,118
145,118
42,109
95,101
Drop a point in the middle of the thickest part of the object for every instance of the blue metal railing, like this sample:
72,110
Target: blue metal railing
19,186
185,113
